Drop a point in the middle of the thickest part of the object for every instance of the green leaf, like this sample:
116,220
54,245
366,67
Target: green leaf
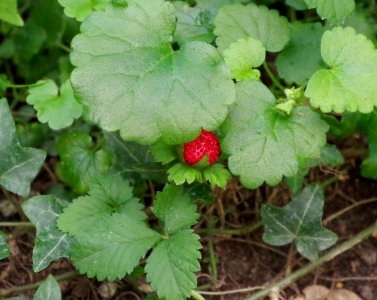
265,145
131,80
9,13
57,109
347,84
200,191
238,21
18,165
4,248
80,161
180,173
331,156
48,290
133,160
107,195
299,222
302,55
217,175
369,164
363,22
178,257
297,4
175,209
244,55
164,153
83,8
113,247
50,243
336,11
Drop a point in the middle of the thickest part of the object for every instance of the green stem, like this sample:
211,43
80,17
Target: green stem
33,286
196,296
274,80
317,263
20,86
64,47
16,224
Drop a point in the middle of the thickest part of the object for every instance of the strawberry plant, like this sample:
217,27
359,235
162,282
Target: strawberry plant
141,112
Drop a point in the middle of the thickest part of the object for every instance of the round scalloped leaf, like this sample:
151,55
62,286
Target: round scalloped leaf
129,78
265,145
349,82
336,11
80,9
239,21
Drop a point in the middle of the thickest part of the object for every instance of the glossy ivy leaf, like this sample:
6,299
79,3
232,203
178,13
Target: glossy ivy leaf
175,209
331,156
18,165
299,222
129,78
265,145
347,84
244,55
302,55
178,255
133,160
50,243
239,21
200,191
82,8
57,108
336,11
113,247
80,160
107,195
9,13
369,164
4,248
48,290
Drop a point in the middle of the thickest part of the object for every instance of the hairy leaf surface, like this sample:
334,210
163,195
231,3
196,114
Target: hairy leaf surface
336,11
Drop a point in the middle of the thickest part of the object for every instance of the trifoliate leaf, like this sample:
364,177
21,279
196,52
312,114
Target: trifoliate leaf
83,8
217,175
299,222
48,290
265,145
9,13
302,55
238,21
50,243
336,11
180,173
58,109
175,209
131,80
133,160
331,156
18,165
4,248
113,247
80,161
178,255
244,55
107,195
369,164
347,84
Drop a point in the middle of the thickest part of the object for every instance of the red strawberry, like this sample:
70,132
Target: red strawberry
206,144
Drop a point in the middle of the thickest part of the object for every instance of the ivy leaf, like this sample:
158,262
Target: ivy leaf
58,111
265,145
50,243
347,84
107,195
4,248
113,247
175,209
49,289
336,11
179,256
302,55
299,222
239,21
244,55
9,13
131,80
18,165
81,9
133,160
331,156
200,191
80,161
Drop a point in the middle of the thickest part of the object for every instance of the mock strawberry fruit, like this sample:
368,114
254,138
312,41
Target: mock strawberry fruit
206,144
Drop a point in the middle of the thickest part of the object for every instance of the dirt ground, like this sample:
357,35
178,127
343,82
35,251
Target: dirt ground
242,259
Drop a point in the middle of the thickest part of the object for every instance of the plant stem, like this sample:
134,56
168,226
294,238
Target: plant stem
16,224
33,286
196,296
274,80
361,236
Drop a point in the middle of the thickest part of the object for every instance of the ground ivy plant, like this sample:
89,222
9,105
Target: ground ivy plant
186,95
